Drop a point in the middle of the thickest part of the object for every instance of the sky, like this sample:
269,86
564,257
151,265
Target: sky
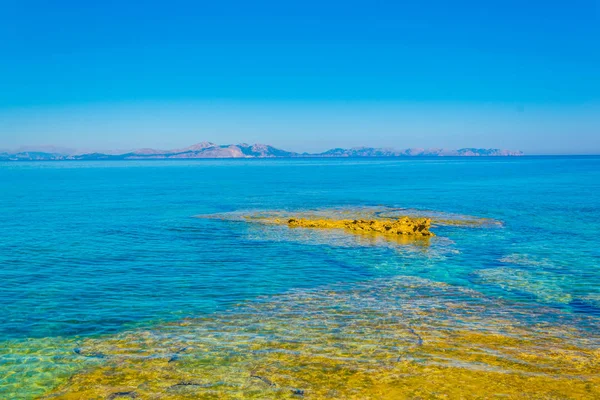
303,76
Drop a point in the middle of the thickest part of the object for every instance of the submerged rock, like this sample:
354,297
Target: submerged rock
123,395
391,338
399,222
405,226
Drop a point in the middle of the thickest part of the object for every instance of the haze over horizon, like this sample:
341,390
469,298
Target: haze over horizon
303,77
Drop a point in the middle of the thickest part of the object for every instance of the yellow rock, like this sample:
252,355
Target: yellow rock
406,226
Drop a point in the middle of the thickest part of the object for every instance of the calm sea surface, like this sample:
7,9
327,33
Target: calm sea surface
95,249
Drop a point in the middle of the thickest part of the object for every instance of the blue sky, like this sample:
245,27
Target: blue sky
301,75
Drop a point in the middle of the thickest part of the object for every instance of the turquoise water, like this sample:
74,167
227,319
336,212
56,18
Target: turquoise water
96,248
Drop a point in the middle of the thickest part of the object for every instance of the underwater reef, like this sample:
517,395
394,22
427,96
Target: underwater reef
381,219
398,338
394,224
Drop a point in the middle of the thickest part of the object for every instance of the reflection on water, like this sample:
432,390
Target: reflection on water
401,337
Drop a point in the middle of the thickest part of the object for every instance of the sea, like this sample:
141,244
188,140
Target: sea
115,274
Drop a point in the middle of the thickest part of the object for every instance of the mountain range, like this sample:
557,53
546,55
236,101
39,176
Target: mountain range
243,150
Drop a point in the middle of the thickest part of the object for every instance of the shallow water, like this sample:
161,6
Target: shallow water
97,256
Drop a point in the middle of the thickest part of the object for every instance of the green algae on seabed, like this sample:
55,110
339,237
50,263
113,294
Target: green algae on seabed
543,285
28,367
396,338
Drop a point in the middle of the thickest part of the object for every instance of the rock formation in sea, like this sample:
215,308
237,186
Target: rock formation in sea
405,226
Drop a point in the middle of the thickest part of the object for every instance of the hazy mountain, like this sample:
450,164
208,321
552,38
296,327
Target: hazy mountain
31,156
46,149
360,152
415,152
244,150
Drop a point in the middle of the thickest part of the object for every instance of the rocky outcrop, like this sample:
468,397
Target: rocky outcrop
404,226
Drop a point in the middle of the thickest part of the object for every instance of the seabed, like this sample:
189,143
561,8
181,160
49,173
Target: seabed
401,338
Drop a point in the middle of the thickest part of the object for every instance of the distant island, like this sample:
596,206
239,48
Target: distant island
243,150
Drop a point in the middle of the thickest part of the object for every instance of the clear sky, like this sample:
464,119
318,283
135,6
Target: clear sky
301,75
